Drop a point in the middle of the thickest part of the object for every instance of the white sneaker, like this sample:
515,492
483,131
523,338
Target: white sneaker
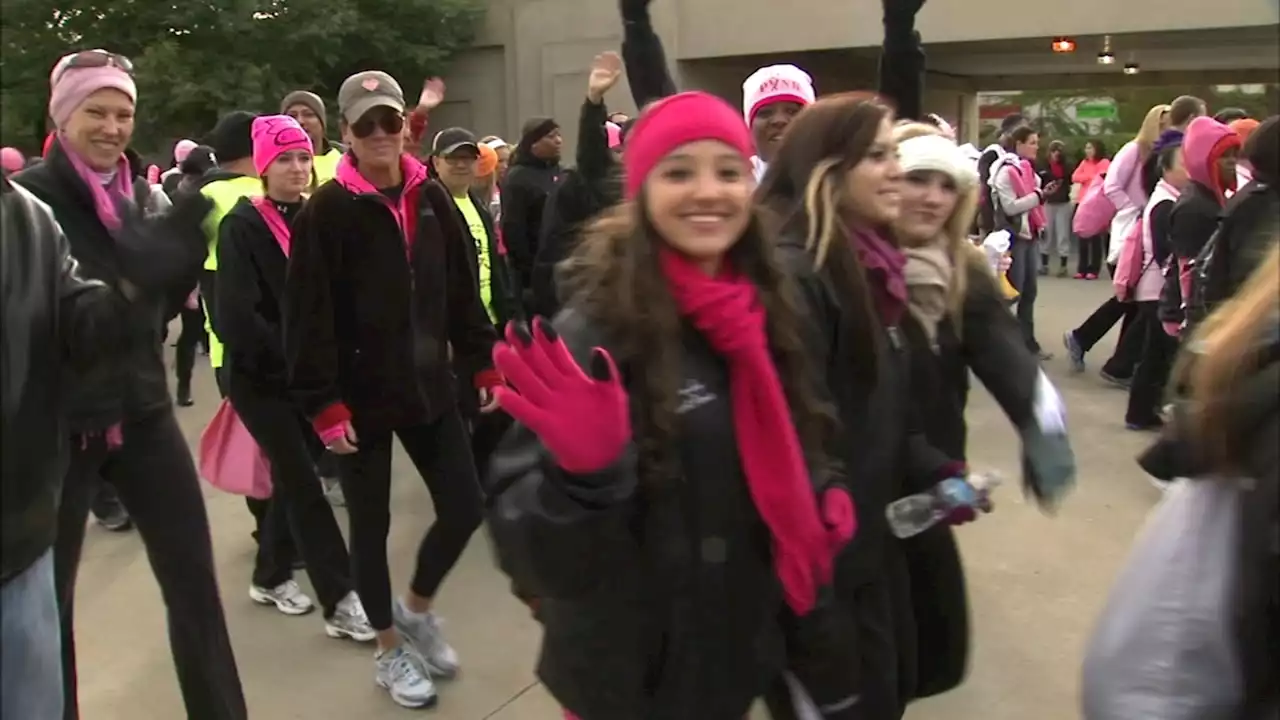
333,492
400,674
287,597
424,636
349,621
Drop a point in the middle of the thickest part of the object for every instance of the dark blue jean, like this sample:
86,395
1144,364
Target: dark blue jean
1022,275
31,644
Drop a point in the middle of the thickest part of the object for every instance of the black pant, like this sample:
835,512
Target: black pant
106,501
1091,254
1097,325
440,451
157,480
297,508
486,432
193,334
1154,363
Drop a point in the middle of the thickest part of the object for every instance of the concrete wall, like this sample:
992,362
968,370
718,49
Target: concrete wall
533,55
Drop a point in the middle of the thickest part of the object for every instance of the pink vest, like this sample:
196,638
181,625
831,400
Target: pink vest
1152,280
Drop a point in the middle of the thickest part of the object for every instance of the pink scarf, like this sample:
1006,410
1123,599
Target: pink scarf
275,222
726,310
104,198
1024,183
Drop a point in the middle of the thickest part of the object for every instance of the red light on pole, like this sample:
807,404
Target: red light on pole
1064,45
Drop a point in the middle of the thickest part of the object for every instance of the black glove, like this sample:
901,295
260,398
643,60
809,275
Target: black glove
637,10
165,251
897,12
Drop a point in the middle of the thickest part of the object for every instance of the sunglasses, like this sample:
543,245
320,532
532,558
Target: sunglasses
98,59
392,123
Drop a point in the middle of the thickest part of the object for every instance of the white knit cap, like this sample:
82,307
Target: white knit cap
774,84
937,153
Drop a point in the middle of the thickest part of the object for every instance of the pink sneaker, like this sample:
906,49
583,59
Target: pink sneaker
1091,276
1079,276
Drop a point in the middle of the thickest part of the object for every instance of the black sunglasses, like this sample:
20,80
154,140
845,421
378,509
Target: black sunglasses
97,59
392,123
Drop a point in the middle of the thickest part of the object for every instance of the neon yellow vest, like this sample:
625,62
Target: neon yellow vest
326,165
224,194
475,226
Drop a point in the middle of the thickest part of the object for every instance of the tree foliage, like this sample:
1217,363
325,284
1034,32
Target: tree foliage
198,59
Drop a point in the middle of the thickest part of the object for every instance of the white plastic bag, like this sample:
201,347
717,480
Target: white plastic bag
1164,646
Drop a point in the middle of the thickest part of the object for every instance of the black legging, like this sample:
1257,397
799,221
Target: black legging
1098,324
440,451
1091,254
156,478
297,508
193,333
1158,349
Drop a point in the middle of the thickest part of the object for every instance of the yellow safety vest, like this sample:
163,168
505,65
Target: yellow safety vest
326,165
224,194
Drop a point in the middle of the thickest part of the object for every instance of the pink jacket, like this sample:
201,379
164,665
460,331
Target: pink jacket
1123,184
1086,171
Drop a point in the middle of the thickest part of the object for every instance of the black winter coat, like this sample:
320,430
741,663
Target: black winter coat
529,182
993,347
107,393
368,322
659,603
251,281
54,321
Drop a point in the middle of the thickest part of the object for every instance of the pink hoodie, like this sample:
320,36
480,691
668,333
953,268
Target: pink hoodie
1204,144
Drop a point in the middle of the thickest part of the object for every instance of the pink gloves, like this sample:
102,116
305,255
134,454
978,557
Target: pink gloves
839,517
584,421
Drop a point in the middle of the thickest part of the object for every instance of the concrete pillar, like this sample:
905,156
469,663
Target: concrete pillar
967,129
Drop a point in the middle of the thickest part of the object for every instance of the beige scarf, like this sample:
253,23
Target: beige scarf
928,276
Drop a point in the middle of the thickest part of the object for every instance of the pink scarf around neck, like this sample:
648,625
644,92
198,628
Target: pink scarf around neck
104,198
275,222
727,312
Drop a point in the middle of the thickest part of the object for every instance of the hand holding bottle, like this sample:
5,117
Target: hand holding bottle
583,420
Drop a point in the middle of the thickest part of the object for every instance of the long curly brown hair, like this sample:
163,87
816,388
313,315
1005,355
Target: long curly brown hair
614,279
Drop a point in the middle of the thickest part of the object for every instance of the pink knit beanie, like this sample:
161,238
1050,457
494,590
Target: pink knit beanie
275,135
679,120
182,149
70,86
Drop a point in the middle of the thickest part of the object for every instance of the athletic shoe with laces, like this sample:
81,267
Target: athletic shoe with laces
287,597
1074,351
422,631
402,677
349,621
333,492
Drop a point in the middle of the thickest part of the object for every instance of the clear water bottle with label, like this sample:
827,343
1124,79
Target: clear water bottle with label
914,514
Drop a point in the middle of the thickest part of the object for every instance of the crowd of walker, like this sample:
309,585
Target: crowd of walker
680,382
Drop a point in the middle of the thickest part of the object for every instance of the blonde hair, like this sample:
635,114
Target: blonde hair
1225,350
955,230
1150,130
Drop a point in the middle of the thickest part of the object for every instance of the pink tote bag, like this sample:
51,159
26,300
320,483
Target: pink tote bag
230,458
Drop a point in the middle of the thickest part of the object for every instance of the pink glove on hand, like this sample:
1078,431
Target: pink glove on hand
583,420
839,516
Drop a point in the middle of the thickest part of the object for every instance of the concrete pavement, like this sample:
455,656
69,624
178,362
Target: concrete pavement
1036,584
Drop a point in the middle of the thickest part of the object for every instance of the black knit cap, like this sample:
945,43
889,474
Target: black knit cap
231,138
537,128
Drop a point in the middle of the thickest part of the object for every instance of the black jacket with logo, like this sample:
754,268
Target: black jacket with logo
55,322
659,599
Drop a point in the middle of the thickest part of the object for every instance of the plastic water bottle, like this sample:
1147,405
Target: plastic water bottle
914,514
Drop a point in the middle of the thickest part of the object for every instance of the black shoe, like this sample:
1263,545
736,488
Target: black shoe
1120,382
184,396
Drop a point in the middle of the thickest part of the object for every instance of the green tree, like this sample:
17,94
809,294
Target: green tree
197,60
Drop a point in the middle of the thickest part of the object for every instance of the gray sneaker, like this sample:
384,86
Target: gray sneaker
349,621
1074,351
400,675
424,636
287,597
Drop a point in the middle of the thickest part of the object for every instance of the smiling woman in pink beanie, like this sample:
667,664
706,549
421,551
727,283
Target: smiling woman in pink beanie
120,417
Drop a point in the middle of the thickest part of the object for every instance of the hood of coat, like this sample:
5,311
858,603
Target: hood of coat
1203,145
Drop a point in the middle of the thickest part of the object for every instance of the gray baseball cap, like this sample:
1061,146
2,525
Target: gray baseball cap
367,90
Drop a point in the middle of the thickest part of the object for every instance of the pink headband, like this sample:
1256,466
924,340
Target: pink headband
679,120
275,135
71,86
